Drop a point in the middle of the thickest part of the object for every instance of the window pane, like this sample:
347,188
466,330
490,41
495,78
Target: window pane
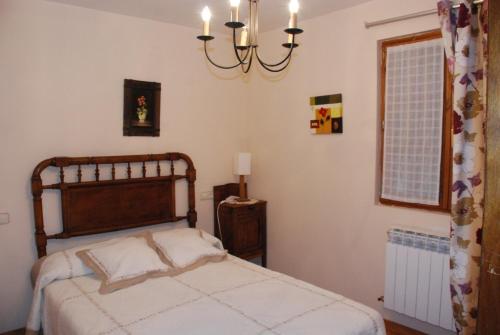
413,122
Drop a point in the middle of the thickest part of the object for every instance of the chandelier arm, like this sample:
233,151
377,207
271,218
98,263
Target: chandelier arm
285,61
277,64
280,63
242,61
216,65
271,69
249,62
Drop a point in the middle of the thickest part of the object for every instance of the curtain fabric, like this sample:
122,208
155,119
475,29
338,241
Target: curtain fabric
465,34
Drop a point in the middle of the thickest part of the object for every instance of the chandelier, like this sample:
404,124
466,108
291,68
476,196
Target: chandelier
247,47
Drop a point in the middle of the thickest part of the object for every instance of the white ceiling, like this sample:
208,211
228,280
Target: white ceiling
273,14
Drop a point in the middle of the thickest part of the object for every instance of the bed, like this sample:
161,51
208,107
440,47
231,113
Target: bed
231,296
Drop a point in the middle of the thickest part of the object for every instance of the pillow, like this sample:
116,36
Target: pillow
127,262
214,241
186,248
66,262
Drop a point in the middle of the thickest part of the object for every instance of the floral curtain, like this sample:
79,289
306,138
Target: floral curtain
465,34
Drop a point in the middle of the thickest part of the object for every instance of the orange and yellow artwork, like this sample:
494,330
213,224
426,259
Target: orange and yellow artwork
328,114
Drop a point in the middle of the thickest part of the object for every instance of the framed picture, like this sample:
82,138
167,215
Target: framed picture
328,114
141,108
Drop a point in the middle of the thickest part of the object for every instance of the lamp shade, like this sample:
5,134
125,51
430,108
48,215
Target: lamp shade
242,164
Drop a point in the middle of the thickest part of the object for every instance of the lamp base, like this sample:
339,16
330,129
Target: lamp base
242,199
243,191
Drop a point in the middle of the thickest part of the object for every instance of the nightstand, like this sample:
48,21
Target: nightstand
243,225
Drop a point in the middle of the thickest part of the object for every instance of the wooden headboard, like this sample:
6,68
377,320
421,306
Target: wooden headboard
98,206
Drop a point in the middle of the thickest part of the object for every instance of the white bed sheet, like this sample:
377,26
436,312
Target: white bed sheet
230,297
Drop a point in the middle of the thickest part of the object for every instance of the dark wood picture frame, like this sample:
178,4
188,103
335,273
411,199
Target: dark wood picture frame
141,108
446,154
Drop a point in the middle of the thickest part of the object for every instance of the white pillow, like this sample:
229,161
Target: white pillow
68,259
185,248
214,241
127,262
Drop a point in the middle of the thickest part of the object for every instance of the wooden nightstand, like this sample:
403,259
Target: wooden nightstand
243,225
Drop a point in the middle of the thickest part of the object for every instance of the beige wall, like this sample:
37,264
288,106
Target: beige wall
325,225
61,93
61,76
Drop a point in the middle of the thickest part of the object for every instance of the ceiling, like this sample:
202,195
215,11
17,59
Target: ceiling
273,14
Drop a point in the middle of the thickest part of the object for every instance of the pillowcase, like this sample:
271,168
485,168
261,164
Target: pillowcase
214,241
186,248
66,262
127,262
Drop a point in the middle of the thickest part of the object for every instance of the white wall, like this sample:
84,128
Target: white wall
325,225
61,93
61,77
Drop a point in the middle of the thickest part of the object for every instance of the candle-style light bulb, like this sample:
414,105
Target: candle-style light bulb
206,15
293,6
235,6
244,37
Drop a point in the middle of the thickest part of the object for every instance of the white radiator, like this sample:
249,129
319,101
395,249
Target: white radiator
417,277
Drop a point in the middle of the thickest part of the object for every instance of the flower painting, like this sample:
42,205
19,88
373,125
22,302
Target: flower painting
142,111
328,114
141,108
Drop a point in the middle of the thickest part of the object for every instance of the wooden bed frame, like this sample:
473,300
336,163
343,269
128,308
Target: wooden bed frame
98,206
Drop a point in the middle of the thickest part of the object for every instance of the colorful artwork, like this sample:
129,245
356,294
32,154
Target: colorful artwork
328,114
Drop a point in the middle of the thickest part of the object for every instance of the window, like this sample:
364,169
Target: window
416,122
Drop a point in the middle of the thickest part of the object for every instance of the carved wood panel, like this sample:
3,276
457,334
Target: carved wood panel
113,206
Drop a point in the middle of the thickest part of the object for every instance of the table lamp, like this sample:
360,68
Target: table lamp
242,168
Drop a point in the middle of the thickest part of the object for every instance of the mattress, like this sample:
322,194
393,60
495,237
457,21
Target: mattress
228,297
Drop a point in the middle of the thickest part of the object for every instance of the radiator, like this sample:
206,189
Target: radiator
417,277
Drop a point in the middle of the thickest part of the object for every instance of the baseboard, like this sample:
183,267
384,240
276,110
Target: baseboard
393,328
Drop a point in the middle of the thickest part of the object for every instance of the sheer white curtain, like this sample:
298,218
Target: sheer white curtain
413,122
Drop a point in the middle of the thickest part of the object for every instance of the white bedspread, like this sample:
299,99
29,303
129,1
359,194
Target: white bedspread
231,297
